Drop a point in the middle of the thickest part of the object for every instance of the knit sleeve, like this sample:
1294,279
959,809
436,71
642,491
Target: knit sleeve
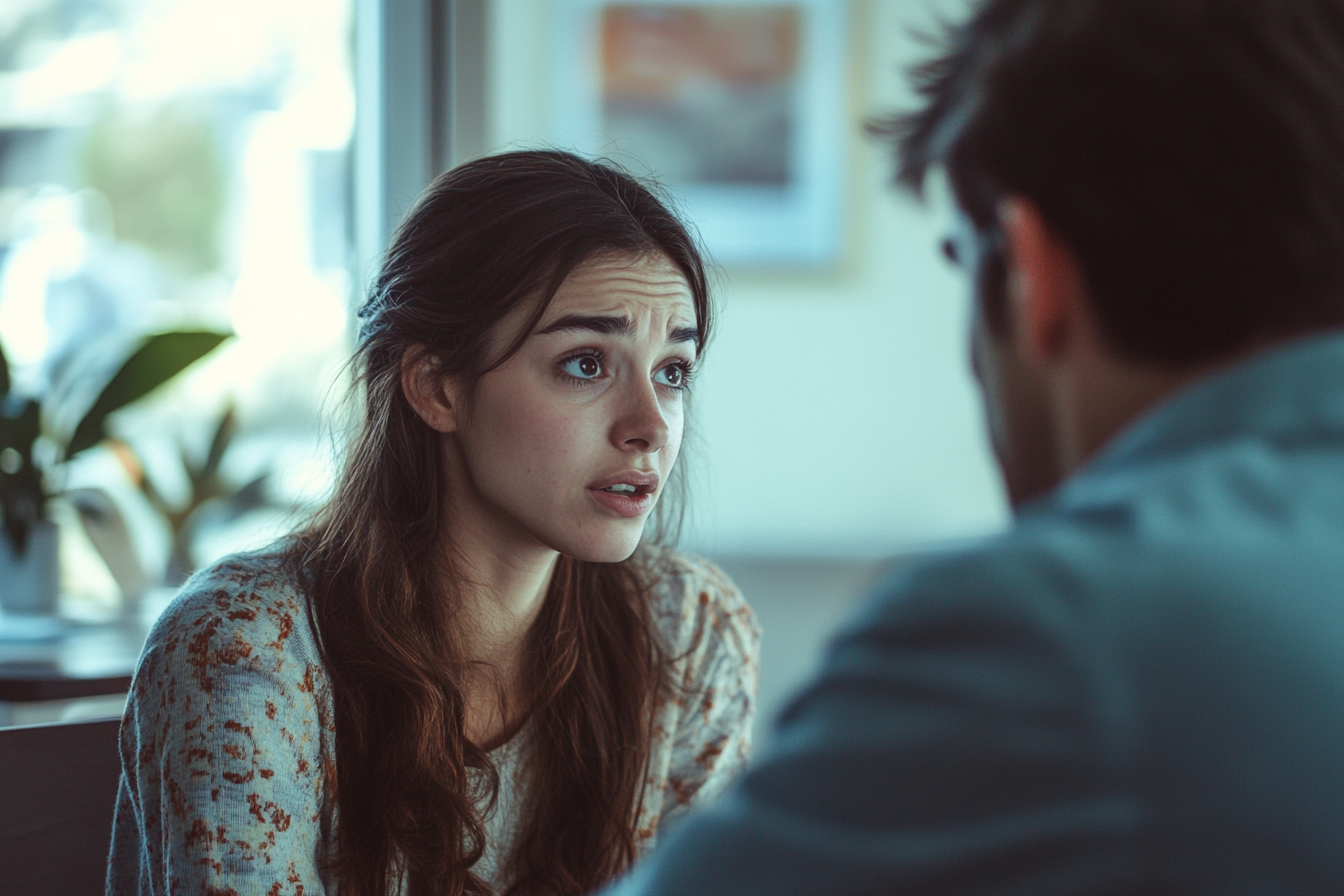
222,747
717,664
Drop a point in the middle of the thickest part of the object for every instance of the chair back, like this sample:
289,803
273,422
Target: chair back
58,790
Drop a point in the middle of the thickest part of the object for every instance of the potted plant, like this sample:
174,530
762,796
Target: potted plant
33,449
210,497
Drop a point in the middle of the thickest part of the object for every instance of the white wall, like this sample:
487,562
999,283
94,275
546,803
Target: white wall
835,411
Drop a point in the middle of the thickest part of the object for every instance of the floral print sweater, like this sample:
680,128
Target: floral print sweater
227,742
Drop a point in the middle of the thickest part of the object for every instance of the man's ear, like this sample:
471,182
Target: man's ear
1045,285
430,394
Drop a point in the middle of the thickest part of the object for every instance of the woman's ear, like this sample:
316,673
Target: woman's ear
430,394
1045,284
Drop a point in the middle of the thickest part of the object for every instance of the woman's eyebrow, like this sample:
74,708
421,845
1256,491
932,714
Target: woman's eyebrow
612,326
607,326
685,334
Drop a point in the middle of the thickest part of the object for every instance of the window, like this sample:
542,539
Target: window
170,164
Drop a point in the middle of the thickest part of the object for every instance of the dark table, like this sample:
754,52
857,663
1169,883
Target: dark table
54,659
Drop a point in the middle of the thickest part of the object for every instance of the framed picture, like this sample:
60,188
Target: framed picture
738,106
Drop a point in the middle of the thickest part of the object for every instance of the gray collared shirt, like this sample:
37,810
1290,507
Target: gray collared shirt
1140,688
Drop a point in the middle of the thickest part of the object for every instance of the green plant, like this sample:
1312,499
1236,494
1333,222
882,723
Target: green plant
32,449
209,494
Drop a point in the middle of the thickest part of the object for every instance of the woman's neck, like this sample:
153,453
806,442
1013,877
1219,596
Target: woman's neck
498,600
498,589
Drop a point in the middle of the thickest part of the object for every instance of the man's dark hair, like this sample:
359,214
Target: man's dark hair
1190,153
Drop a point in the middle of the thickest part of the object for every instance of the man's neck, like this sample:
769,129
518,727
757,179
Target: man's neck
1097,394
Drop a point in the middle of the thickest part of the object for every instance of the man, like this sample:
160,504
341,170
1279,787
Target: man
1140,688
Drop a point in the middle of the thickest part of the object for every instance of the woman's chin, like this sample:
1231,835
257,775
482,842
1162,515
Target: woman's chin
607,547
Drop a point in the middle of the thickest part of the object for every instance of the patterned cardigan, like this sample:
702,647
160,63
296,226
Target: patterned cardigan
226,745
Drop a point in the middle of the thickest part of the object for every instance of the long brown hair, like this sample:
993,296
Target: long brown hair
484,238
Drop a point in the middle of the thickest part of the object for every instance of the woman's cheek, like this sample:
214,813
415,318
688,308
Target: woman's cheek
567,432
676,423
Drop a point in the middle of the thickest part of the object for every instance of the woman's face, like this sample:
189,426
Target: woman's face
569,444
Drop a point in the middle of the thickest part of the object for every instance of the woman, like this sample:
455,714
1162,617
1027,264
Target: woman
465,675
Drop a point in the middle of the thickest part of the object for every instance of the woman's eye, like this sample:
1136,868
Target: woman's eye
673,375
583,367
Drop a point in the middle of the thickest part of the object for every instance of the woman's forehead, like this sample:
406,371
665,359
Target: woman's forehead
624,285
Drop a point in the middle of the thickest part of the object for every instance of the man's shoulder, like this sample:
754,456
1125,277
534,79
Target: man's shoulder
1127,579
1057,579
1056,560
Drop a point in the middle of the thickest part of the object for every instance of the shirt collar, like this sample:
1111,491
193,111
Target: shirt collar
1290,392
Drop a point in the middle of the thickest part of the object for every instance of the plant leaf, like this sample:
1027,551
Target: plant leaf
152,495
159,359
228,426
19,432
21,494
250,496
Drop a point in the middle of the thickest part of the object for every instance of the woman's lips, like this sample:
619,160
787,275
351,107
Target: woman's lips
628,494
624,505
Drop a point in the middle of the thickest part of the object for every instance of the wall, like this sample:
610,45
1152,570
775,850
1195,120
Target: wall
835,412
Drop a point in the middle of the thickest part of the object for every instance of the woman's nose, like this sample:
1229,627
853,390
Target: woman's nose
641,424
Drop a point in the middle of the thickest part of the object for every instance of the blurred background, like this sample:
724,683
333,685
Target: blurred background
193,192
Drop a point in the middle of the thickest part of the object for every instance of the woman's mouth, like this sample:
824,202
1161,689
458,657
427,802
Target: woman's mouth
626,494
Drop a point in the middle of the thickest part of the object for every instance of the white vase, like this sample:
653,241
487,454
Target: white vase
31,583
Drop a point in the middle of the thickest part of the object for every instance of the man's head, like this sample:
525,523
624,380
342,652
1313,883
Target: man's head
1177,164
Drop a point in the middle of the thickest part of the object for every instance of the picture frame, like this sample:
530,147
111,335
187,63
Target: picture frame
739,107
